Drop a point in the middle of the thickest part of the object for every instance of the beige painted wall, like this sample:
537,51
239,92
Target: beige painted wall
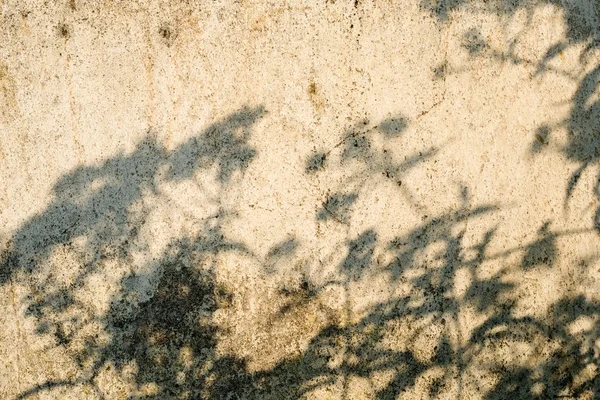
233,199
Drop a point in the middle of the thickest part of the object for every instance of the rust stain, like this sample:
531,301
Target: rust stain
149,65
9,108
24,24
2,155
315,96
540,138
73,107
259,24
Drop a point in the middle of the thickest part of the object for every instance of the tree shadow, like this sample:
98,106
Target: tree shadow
543,251
564,363
580,19
583,144
159,326
365,145
568,332
159,316
96,203
171,338
431,261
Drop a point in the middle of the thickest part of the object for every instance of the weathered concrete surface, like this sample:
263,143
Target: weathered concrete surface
330,199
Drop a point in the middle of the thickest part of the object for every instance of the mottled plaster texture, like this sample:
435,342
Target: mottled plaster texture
349,199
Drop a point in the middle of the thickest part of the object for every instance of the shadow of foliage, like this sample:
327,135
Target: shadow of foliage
581,21
159,320
160,327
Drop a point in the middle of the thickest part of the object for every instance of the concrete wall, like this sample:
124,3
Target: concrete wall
334,199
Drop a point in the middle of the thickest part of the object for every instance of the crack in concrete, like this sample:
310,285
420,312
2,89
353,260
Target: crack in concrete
444,75
436,104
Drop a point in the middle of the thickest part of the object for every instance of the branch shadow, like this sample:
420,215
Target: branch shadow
159,326
159,319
